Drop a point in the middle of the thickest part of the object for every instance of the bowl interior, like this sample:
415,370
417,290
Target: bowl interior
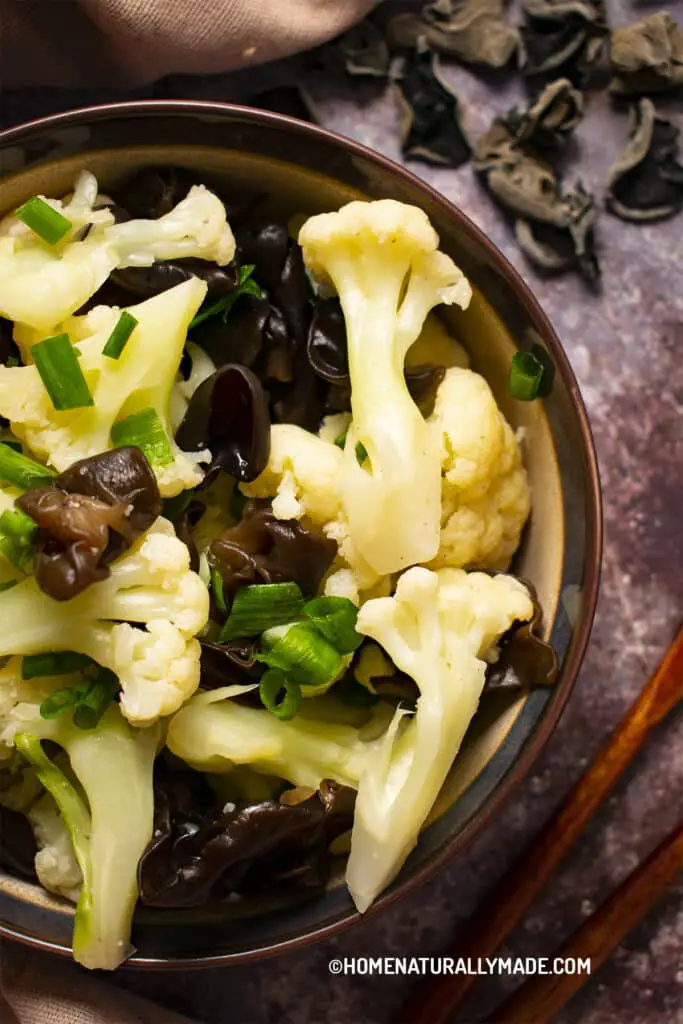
559,546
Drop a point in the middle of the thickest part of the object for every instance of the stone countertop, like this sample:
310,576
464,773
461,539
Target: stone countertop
626,347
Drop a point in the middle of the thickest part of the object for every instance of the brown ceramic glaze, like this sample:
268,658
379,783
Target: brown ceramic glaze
306,170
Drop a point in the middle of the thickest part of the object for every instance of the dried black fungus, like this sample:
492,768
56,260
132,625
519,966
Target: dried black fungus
279,270
363,50
198,855
88,517
228,414
263,549
154,191
431,125
647,56
562,38
646,181
474,31
144,282
554,225
526,661
230,664
7,346
548,121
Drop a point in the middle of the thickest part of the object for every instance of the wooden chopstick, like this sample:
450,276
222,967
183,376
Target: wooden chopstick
539,999
435,999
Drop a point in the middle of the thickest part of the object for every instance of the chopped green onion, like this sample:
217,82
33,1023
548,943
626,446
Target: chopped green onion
223,305
116,341
255,609
361,453
526,373
546,361
19,471
53,663
145,431
341,440
60,372
335,618
217,590
304,655
87,700
17,533
280,695
46,222
14,445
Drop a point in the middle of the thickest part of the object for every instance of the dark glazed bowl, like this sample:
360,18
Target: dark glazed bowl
308,170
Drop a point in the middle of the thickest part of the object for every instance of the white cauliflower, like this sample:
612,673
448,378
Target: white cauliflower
150,585
55,861
438,628
436,346
141,378
41,285
382,260
485,499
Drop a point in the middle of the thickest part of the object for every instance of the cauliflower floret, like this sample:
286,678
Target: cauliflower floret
383,262
485,499
141,378
41,285
55,861
152,585
437,346
437,628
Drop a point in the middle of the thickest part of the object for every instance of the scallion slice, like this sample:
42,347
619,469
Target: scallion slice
145,431
361,453
255,609
53,663
17,533
279,694
526,374
59,369
304,655
335,618
341,440
217,590
87,700
46,222
116,342
19,471
223,305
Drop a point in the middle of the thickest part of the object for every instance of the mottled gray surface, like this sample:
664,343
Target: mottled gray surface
625,346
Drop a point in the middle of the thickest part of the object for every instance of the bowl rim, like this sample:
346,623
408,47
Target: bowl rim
531,749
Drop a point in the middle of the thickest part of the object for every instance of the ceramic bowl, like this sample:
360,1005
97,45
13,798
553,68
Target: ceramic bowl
307,170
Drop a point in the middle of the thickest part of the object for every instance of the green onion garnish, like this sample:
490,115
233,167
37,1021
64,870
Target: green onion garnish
341,440
223,305
145,431
526,374
255,609
217,590
280,695
19,471
116,341
361,453
304,655
53,663
58,366
87,700
335,618
17,533
46,222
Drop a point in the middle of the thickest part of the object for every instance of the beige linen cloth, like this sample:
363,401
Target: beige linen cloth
91,43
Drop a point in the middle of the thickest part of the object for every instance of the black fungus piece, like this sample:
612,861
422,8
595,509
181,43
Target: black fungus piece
154,191
647,56
7,346
646,181
303,401
18,847
88,517
231,664
562,38
228,414
241,847
554,225
474,31
144,282
263,549
326,345
279,270
184,524
364,51
431,123
550,118
526,661
252,326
